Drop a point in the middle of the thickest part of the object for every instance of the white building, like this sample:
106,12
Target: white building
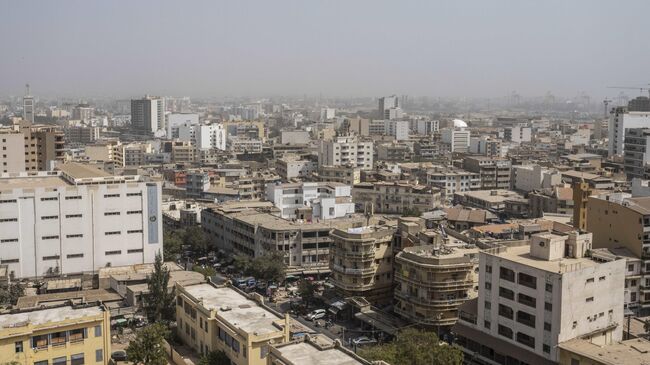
389,106
457,137
485,145
210,136
534,177
518,134
320,200
327,113
619,121
291,166
451,180
427,127
397,128
532,297
636,152
77,220
346,151
174,120
148,114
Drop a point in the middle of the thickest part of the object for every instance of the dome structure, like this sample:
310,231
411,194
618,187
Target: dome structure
459,124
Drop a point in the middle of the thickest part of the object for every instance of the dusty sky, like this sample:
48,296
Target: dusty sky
337,48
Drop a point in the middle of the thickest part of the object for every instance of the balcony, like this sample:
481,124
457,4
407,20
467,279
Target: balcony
368,254
439,285
353,271
435,303
443,321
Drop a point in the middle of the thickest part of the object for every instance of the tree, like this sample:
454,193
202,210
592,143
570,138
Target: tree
414,347
195,237
646,327
10,295
159,303
269,267
147,348
172,243
215,358
306,291
241,263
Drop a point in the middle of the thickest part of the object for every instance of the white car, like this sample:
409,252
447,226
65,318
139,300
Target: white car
316,314
364,340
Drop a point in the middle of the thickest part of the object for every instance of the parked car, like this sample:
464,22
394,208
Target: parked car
119,355
316,314
364,340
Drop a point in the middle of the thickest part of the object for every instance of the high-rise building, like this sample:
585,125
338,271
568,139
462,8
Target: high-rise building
12,154
148,114
44,145
458,137
518,134
623,118
77,220
28,106
389,107
486,146
494,171
637,152
83,112
175,120
346,150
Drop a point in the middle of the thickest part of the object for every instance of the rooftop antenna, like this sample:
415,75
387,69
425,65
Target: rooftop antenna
27,90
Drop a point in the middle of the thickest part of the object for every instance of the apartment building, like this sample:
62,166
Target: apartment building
361,261
311,200
347,175
534,177
618,220
148,114
450,180
537,295
495,201
518,134
396,197
112,151
346,151
623,118
398,152
77,220
397,128
244,145
245,129
486,146
81,134
427,127
314,350
213,318
634,286
558,200
135,154
249,228
458,138
494,172
636,152
175,121
78,334
292,166
12,154
210,136
44,145
432,281
253,186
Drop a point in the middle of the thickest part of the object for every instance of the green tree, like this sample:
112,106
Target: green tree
215,358
10,295
147,348
206,271
195,237
411,212
159,303
269,267
414,347
242,263
172,242
306,291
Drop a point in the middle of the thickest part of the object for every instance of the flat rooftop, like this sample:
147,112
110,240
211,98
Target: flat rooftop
630,352
243,313
45,316
492,196
81,171
521,255
307,353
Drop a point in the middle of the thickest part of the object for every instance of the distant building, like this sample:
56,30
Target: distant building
175,120
148,114
637,152
396,197
327,113
494,171
28,107
534,177
291,166
622,118
518,134
83,112
311,200
44,146
427,127
81,135
294,137
12,144
486,146
346,150
458,137
343,174
397,128
389,107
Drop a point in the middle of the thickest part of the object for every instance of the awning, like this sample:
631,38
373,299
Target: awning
371,319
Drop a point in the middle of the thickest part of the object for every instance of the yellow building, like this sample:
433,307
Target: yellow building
212,318
56,336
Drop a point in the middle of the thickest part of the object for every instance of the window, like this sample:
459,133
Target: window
77,359
7,240
488,269
49,258
7,201
590,299
18,346
134,251
134,212
111,213
112,233
590,280
134,231
507,274
49,199
77,335
60,360
526,318
134,194
506,293
547,326
488,285
487,324
111,195
630,267
526,300
9,261
46,217
40,342
548,306
546,348
9,220
524,339
99,355
98,331
75,256
506,311
487,305
549,287
74,235
505,331
73,215
116,252
527,280
75,197
50,237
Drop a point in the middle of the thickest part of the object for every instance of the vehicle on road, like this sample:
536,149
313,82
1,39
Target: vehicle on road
316,314
363,341
119,355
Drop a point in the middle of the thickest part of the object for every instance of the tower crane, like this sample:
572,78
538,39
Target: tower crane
641,89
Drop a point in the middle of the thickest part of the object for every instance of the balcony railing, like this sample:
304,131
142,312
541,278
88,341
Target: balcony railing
440,285
438,303
352,271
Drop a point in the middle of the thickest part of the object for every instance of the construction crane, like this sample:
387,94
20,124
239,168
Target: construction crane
606,102
641,89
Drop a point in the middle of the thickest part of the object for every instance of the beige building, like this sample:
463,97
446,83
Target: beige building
106,151
44,145
58,336
12,154
344,174
314,350
212,318
396,197
361,261
617,220
494,171
433,281
582,352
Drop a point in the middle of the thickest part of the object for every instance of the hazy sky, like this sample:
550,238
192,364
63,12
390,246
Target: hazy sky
337,48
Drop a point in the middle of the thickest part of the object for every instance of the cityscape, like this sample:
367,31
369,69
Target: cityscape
324,183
